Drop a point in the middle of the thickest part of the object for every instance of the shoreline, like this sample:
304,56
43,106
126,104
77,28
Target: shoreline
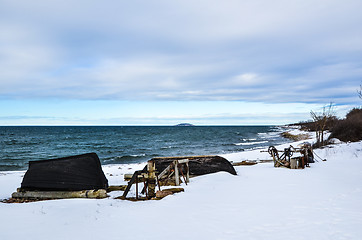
261,202
115,172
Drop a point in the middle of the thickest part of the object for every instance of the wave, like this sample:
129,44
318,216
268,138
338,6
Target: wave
119,145
130,156
248,140
168,147
269,135
124,158
250,143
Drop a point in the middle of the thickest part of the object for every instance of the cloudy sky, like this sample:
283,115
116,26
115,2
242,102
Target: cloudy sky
162,62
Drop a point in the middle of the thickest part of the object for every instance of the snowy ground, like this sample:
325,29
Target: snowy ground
261,202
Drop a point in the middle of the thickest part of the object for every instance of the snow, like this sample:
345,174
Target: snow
261,202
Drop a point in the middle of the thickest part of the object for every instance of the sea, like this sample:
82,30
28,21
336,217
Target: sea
128,144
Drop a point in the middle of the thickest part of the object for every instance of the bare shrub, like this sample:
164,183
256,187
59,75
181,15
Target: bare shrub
320,122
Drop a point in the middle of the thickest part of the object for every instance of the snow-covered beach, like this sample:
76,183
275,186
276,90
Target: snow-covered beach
261,202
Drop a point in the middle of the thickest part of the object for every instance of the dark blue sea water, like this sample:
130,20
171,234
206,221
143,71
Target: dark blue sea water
115,145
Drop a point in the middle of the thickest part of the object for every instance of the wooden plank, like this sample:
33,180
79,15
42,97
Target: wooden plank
164,172
183,161
129,176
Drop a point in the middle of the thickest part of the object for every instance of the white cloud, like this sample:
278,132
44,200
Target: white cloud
245,80
280,51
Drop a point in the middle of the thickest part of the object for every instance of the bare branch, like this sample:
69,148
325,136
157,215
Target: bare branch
321,120
360,91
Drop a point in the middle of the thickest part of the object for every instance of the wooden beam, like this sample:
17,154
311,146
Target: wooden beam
101,193
164,172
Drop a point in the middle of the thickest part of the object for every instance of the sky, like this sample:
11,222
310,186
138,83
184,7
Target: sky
165,62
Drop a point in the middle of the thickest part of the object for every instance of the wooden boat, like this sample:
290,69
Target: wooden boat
74,173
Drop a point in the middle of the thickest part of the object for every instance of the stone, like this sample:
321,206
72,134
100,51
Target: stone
169,191
163,193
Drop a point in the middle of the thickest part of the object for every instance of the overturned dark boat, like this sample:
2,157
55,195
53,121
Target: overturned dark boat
199,165
74,173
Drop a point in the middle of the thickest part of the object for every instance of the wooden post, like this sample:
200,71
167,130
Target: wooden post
177,176
187,172
158,183
186,162
145,187
137,187
151,168
275,162
182,173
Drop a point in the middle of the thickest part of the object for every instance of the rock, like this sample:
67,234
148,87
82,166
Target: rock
163,193
175,190
334,141
169,191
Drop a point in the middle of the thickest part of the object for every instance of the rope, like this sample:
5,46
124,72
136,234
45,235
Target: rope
318,156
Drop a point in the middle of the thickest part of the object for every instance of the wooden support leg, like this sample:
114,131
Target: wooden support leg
177,176
133,179
137,188
187,173
145,188
183,175
151,179
158,183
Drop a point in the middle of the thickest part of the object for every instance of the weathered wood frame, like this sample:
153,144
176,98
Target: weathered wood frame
151,179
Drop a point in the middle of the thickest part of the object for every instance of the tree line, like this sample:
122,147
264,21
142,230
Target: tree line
348,129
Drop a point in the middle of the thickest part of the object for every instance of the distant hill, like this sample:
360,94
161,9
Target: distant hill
184,125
